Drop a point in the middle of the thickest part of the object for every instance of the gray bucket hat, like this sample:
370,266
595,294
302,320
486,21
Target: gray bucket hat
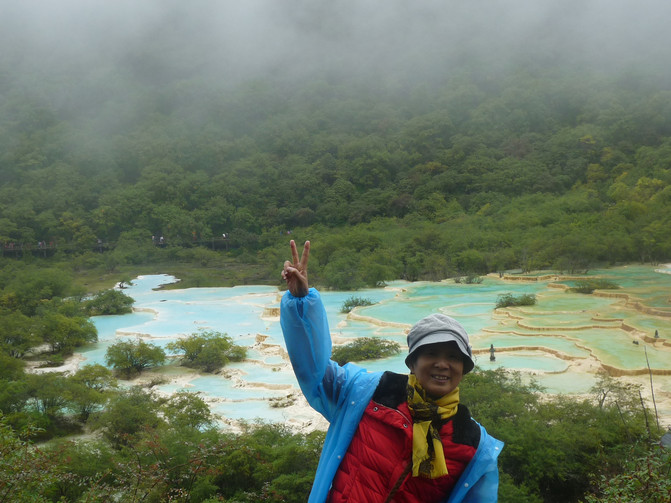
437,328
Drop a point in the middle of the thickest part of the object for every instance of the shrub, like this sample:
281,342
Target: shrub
469,279
127,415
365,348
508,299
64,333
589,285
207,350
645,479
554,445
25,471
130,357
353,302
109,302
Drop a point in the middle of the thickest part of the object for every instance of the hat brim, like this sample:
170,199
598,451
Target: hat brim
437,338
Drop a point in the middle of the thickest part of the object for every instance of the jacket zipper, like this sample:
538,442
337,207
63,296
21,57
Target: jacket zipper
399,482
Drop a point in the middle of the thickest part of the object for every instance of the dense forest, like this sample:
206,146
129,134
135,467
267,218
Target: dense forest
485,172
417,141
481,166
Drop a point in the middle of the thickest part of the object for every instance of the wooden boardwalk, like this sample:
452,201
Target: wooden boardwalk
48,249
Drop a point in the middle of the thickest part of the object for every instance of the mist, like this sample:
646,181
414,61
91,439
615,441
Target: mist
106,65
237,41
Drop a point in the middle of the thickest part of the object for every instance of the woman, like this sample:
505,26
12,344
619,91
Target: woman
392,437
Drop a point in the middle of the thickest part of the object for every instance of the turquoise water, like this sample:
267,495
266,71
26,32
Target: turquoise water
557,383
524,360
251,411
544,340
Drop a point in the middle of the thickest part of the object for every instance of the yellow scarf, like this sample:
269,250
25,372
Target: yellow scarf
428,458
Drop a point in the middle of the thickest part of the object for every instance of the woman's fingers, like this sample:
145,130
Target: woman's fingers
294,252
296,273
306,255
302,262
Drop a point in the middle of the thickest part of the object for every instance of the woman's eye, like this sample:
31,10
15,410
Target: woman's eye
443,356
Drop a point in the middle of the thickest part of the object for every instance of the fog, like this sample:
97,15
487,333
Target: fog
238,40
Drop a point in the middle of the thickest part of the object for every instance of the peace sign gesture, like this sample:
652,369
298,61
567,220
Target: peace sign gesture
296,273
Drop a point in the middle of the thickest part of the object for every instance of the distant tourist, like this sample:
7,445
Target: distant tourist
491,353
382,421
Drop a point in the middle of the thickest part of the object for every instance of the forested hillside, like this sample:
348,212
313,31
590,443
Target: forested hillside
544,160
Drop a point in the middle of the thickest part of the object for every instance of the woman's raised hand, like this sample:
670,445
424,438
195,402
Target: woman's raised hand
295,273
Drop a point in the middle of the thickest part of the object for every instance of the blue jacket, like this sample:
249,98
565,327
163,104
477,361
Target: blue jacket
341,395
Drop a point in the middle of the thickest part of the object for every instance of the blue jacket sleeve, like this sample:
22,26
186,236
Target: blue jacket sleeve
308,339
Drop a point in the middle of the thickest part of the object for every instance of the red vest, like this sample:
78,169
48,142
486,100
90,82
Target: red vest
380,453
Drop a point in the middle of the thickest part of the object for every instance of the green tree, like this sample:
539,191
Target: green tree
82,470
471,261
342,272
17,334
28,287
380,266
48,393
11,367
14,396
268,460
128,357
89,389
207,350
109,302
77,232
63,333
135,246
187,410
127,415
25,470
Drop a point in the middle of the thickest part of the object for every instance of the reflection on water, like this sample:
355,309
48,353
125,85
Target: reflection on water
562,341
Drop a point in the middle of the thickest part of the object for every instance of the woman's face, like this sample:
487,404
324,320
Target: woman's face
438,368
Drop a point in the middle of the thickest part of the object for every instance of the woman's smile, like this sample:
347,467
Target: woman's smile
439,368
